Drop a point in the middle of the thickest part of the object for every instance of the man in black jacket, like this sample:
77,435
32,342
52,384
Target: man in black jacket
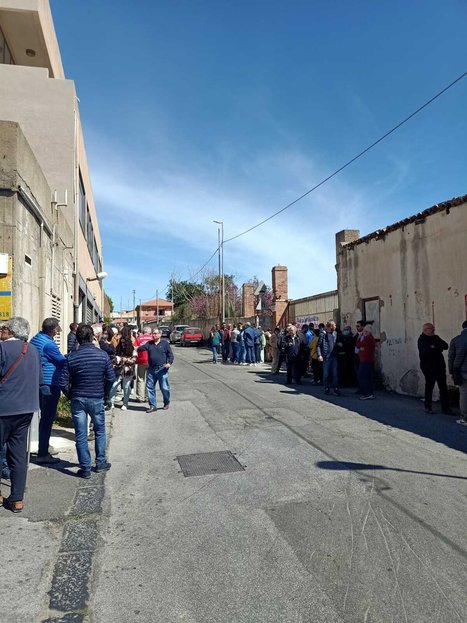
433,366
293,346
160,358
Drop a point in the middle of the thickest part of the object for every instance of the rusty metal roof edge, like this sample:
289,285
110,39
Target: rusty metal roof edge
380,233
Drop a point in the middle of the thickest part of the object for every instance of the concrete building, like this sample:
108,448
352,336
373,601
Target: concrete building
35,94
316,309
34,236
402,276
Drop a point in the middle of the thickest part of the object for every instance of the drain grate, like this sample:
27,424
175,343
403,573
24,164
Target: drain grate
209,463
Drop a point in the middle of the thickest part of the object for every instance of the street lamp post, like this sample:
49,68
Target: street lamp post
220,238
99,277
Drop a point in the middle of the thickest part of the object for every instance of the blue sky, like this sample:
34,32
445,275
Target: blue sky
228,110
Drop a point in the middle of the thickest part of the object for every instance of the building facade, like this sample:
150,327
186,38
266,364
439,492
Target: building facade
34,236
316,309
35,94
400,277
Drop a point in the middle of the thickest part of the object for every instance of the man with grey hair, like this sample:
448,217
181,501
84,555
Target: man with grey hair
97,330
20,379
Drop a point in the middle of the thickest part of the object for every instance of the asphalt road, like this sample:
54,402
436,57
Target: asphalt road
345,511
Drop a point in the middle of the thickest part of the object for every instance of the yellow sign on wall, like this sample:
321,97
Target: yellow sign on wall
5,294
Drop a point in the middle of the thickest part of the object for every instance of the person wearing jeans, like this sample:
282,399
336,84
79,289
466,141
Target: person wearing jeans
161,376
20,378
328,344
52,365
214,340
249,336
80,409
160,359
86,379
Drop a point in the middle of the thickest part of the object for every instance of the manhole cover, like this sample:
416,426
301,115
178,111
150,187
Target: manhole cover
209,463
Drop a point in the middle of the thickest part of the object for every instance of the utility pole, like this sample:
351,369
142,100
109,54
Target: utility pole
172,292
157,306
220,239
134,305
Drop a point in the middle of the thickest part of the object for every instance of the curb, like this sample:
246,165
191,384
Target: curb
69,592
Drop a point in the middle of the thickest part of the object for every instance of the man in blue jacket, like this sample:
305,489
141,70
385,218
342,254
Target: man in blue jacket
249,337
160,358
52,362
86,379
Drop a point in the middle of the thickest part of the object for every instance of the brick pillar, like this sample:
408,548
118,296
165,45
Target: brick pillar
248,302
280,292
342,238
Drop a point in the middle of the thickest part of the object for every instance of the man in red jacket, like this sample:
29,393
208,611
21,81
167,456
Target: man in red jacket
142,365
366,345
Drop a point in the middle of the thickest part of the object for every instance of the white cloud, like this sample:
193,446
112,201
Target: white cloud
163,219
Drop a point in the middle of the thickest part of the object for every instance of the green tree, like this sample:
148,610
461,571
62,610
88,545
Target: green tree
183,291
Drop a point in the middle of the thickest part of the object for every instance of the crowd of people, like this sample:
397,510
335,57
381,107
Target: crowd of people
102,358
336,359
325,354
34,374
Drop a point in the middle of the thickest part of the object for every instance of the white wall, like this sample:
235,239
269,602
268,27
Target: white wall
419,273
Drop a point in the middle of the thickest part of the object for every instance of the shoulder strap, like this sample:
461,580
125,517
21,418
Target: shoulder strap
13,366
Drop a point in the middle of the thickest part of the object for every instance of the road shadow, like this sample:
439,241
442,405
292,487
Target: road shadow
346,465
403,412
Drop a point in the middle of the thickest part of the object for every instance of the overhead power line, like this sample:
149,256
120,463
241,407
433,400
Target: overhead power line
349,162
205,264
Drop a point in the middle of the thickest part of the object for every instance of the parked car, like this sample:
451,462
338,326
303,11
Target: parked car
165,330
176,333
191,335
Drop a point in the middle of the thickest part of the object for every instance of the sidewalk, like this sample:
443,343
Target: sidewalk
44,557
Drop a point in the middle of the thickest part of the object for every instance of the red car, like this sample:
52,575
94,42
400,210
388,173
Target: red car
191,335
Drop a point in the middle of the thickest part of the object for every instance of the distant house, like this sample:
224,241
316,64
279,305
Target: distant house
154,310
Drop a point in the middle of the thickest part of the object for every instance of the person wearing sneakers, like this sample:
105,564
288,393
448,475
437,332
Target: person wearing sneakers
160,359
20,378
366,356
457,362
52,362
87,379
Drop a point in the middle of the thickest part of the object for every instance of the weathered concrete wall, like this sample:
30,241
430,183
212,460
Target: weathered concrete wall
42,266
47,111
416,272
316,309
